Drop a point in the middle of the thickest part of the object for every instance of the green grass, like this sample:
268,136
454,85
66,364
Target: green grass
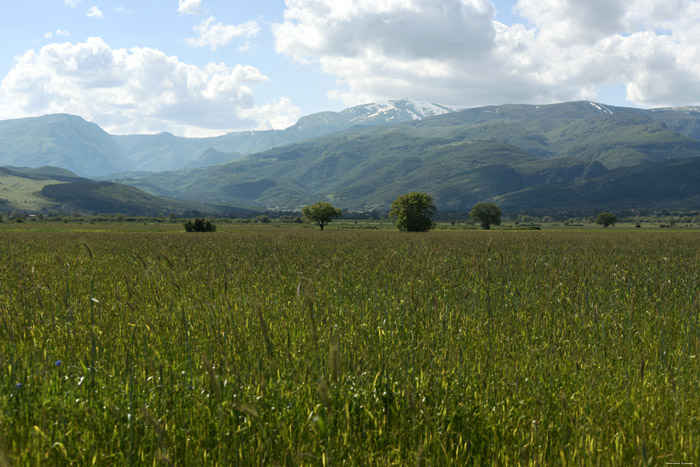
296,346
24,193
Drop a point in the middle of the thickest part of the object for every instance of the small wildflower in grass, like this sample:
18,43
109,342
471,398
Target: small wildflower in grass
57,363
18,385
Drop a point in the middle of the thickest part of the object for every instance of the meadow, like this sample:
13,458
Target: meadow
356,347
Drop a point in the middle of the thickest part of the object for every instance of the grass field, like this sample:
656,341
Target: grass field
23,193
296,346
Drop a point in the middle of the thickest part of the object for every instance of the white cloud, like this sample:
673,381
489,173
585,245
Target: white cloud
123,9
452,51
190,7
59,32
587,21
401,28
71,3
216,35
138,90
95,12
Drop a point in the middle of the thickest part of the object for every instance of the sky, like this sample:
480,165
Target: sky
207,67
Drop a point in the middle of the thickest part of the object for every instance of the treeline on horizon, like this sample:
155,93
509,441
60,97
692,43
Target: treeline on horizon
662,216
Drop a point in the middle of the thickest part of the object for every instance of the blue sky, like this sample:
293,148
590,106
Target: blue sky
206,67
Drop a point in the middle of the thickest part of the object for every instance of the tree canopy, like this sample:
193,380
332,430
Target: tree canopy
413,212
321,213
606,219
486,214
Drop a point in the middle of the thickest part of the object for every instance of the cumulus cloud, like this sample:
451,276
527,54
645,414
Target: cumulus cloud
453,51
587,21
216,35
95,12
190,7
138,90
400,28
71,3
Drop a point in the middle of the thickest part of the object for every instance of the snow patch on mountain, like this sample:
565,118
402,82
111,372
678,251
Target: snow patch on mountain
684,109
395,111
376,113
602,108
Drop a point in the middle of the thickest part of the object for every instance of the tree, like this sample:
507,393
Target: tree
413,212
321,213
200,225
486,214
606,219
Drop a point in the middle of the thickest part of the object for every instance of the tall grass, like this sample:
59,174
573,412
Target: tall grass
309,347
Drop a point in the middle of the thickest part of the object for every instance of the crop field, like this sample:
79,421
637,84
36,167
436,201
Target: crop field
355,347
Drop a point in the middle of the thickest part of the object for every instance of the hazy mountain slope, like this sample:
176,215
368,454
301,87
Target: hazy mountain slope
167,152
213,157
163,151
60,140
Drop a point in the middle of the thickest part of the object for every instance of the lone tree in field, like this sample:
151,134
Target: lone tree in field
200,225
606,219
486,214
321,213
413,212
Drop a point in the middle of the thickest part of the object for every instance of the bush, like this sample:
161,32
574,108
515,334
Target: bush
200,225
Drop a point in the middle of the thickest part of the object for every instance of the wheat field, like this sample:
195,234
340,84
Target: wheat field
302,347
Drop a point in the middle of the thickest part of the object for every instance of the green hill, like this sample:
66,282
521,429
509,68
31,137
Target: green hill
112,198
51,188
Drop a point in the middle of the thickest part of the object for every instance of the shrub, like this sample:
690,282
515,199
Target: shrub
200,225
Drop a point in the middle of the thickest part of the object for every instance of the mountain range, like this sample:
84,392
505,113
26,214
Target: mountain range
569,156
72,143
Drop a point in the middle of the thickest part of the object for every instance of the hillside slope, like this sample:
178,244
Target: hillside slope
53,189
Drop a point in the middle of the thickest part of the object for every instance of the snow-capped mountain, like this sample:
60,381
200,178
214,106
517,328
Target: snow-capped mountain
378,113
